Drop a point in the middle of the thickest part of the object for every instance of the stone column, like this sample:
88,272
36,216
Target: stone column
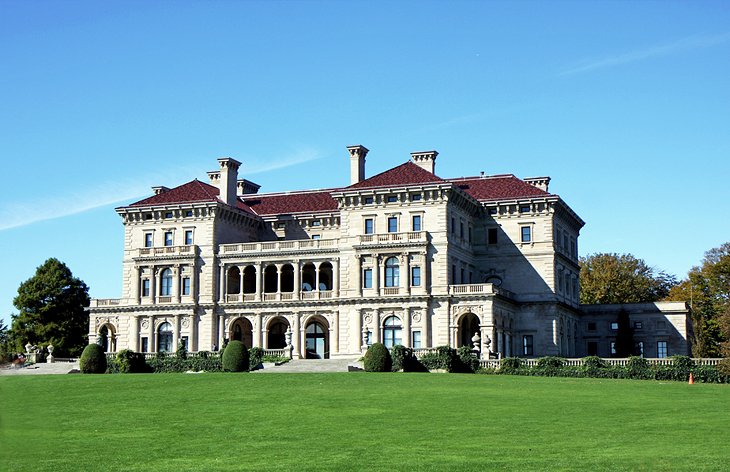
358,277
376,274
335,339
407,278
176,333
134,333
221,331
257,330
176,282
316,277
136,294
357,334
508,343
407,328
240,282
297,279
152,343
376,329
193,343
426,323
278,281
297,337
335,277
556,341
259,282
154,289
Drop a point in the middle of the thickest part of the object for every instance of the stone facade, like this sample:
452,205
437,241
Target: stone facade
402,257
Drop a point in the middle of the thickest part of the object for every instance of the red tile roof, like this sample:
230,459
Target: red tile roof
404,174
193,191
291,203
500,187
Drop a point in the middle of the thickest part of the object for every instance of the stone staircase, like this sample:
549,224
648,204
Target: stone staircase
313,366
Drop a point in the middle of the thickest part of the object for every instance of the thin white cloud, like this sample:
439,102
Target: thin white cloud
26,212
682,45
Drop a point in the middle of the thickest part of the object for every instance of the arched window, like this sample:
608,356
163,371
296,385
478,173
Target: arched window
166,282
392,331
164,337
392,274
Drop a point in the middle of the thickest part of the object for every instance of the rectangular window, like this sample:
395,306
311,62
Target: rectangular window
453,274
416,276
565,241
168,238
184,341
367,278
453,225
316,223
461,275
415,197
369,226
186,286
416,340
524,208
572,248
661,349
416,222
148,240
145,287
469,234
591,326
614,326
145,345
392,198
368,200
188,237
558,238
492,211
592,348
613,348
560,281
638,325
492,236
188,213
471,277
527,345
392,224
168,214
639,348
526,234
461,229
316,236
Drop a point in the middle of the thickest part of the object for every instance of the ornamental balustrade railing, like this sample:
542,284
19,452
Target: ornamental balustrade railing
382,238
497,363
279,246
281,296
188,250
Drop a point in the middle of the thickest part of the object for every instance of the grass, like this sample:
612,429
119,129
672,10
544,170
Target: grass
358,421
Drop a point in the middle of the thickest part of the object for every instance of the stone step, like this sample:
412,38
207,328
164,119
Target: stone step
313,365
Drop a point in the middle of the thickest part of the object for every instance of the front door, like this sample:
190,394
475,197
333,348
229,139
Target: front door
316,342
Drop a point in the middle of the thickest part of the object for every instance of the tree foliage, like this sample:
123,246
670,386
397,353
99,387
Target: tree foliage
51,307
621,278
707,289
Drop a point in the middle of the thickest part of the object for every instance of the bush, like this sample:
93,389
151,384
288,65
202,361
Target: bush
442,359
255,357
402,358
638,368
377,359
723,367
235,357
510,365
594,362
93,360
466,360
182,351
129,362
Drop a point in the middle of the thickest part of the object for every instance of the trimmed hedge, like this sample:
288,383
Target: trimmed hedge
235,357
129,362
377,359
637,368
402,358
93,360
442,359
255,357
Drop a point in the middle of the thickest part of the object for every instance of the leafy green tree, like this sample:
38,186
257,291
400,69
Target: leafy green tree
51,307
6,349
621,278
707,289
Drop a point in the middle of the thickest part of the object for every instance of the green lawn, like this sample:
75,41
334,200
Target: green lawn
359,421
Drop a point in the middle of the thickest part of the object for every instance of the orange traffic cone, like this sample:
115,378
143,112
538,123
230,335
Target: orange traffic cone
691,379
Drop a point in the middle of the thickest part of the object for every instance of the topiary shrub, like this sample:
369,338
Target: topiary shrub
402,358
377,359
255,357
466,360
182,351
235,357
93,360
129,362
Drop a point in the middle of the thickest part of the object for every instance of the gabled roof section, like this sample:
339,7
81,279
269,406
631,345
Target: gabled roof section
498,187
193,191
299,202
404,174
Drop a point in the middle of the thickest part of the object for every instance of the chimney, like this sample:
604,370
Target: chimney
228,180
357,163
246,187
425,160
160,189
539,182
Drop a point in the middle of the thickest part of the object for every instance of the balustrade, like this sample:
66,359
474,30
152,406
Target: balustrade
276,246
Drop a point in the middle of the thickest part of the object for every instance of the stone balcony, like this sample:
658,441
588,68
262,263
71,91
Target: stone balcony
476,289
299,245
281,296
167,251
390,238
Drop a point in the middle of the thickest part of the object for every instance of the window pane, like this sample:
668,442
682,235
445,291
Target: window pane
416,340
168,238
492,235
186,286
392,224
148,240
416,276
188,237
526,234
367,278
369,226
416,222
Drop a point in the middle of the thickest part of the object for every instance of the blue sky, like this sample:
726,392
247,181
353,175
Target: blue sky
626,105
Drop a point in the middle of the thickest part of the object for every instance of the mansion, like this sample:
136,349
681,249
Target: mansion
401,257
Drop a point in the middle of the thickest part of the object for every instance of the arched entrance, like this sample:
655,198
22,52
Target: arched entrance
276,337
468,327
164,337
317,340
392,332
241,330
107,338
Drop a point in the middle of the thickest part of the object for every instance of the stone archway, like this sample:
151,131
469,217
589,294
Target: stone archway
468,327
276,333
316,338
241,329
107,337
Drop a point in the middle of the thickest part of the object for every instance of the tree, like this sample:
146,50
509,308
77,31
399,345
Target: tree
707,289
621,278
5,346
51,308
